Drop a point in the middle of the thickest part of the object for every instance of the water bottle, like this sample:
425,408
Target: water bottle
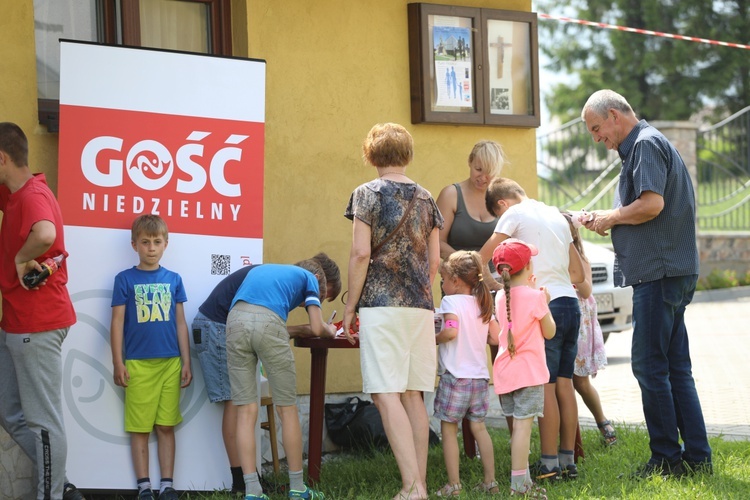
49,266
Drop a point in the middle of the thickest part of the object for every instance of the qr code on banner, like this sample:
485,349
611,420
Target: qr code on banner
220,264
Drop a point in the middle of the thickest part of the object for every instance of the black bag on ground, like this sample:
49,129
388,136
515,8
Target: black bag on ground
355,424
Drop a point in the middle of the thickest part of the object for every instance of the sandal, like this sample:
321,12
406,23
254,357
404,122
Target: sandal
609,435
490,488
450,490
531,491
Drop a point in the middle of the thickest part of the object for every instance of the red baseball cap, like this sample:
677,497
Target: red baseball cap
514,253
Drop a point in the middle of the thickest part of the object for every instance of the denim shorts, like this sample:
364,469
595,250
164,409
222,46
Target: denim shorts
210,342
457,398
562,349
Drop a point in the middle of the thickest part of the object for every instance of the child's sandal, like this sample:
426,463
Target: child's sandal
450,490
608,432
531,491
490,488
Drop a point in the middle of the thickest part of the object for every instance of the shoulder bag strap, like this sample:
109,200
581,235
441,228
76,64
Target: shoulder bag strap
390,236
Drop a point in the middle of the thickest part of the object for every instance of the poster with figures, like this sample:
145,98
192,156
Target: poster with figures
173,134
453,54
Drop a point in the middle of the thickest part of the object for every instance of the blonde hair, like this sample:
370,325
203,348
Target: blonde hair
490,156
467,266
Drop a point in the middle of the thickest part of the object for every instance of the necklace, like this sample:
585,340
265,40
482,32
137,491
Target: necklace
392,173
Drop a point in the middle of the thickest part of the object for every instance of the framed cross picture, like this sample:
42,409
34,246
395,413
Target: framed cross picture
511,76
473,66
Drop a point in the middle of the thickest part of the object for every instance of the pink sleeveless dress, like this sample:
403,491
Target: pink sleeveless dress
591,354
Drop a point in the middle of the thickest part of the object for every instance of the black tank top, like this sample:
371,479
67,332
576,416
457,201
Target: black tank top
466,232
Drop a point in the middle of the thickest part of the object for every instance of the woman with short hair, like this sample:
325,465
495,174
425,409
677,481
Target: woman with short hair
391,288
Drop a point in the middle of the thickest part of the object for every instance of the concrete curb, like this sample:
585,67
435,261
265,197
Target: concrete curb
722,294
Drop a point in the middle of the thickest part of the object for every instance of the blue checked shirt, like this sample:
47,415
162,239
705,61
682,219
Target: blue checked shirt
666,245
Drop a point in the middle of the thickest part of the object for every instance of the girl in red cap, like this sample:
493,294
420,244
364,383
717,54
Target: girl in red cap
520,368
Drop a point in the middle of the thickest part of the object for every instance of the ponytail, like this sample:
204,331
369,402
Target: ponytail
505,275
481,292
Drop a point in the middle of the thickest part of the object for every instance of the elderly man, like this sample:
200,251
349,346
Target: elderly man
653,234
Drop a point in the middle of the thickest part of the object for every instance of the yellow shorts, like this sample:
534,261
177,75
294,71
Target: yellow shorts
152,396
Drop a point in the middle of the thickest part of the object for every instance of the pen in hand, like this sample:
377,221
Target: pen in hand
333,315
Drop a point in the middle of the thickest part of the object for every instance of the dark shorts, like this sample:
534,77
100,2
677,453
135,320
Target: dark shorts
562,349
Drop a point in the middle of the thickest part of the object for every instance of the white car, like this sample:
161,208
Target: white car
614,304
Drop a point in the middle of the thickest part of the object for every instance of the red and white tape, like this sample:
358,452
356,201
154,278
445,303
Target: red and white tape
644,32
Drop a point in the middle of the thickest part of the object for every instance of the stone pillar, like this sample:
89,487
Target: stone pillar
683,135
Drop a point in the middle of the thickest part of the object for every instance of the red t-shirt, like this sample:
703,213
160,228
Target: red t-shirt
49,307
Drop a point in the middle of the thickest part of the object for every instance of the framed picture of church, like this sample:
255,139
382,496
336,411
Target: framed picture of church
511,76
473,66
444,55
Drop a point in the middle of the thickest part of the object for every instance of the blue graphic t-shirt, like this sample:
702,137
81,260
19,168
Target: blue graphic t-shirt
150,298
280,288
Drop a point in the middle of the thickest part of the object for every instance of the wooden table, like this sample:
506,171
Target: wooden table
319,352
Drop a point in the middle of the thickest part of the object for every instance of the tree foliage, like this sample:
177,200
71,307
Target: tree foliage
662,78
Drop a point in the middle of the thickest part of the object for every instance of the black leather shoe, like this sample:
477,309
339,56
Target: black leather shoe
692,468
70,492
664,470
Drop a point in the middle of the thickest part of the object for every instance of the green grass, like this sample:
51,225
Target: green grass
375,476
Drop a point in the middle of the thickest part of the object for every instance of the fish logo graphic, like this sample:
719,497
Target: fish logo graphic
88,386
149,165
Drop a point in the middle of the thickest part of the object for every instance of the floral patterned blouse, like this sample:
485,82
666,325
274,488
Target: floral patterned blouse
399,275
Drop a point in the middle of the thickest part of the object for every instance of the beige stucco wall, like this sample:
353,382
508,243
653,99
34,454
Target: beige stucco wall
18,99
335,68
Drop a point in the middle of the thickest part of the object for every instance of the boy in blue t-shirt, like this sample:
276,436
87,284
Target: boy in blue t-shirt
148,317
256,329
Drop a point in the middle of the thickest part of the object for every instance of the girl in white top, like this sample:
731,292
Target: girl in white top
468,326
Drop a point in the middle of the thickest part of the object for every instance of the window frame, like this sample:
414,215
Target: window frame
220,16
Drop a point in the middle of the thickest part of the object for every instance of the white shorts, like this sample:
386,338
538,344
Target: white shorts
397,349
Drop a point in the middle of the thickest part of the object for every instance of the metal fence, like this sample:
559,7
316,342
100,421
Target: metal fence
576,174
723,161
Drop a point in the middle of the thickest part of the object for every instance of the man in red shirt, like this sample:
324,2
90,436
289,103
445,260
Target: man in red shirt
34,322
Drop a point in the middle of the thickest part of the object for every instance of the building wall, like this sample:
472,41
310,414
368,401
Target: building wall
18,100
335,68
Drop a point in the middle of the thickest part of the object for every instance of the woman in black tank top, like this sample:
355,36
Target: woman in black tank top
468,224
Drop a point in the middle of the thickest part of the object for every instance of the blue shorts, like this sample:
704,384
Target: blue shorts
459,398
210,342
562,349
